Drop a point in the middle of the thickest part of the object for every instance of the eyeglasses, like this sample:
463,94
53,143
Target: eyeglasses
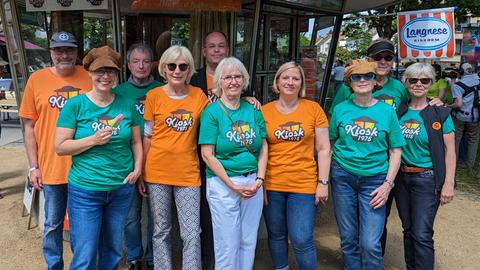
229,78
367,77
387,57
102,72
173,66
422,80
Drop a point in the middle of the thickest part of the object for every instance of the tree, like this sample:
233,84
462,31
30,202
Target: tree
358,36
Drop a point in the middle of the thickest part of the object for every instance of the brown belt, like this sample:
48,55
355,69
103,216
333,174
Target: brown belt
408,169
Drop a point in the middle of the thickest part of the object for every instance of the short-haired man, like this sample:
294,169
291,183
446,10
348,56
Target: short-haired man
466,93
139,62
46,93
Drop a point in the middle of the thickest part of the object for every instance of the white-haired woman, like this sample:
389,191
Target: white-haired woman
171,170
428,166
232,135
296,183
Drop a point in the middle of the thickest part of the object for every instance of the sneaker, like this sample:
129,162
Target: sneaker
135,265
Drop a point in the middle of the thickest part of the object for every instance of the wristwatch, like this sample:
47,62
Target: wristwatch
323,181
390,183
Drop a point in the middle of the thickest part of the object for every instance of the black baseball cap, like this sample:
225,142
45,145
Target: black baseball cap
63,39
380,46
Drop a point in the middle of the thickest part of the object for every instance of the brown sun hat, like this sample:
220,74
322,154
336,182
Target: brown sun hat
360,66
102,57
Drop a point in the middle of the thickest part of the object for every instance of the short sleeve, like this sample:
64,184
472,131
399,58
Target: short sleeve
395,135
28,109
208,127
321,120
68,114
333,128
448,125
260,122
149,107
457,91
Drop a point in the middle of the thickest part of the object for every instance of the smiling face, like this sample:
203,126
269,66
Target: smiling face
176,77
384,62
289,82
104,79
418,85
215,49
363,86
64,58
140,64
232,82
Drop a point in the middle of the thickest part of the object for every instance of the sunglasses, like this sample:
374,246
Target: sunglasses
422,80
367,77
387,58
173,66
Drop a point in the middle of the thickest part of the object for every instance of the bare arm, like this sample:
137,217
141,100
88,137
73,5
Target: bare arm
142,189
450,163
35,176
262,164
136,144
322,145
65,145
380,194
208,155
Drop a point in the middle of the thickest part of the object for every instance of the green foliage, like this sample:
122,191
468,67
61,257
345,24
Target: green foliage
355,30
181,30
304,41
94,33
29,34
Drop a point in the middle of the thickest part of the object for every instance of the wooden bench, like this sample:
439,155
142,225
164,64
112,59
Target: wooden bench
8,106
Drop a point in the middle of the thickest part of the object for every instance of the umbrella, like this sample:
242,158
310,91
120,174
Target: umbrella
28,45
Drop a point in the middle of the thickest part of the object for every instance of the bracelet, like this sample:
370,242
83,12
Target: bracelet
260,178
390,183
31,169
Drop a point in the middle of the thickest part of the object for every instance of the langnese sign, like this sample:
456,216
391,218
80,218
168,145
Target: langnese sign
426,33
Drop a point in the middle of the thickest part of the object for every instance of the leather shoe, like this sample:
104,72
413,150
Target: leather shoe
135,265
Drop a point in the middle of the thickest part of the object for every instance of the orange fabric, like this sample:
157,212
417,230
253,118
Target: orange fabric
45,94
172,158
291,147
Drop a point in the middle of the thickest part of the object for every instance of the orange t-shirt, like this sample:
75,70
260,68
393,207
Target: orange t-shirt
172,158
44,96
211,96
291,147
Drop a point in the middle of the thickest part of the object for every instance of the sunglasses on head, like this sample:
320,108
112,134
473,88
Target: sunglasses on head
357,77
173,66
387,57
422,80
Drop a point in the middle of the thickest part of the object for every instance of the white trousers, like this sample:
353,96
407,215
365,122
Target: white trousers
235,223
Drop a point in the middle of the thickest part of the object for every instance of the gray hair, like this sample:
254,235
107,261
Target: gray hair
417,69
171,54
141,47
230,63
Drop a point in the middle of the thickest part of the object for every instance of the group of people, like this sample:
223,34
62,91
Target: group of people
223,160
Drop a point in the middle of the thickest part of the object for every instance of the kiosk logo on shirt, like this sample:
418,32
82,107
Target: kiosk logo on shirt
241,129
107,121
62,95
410,129
140,105
364,129
180,121
211,96
290,131
387,99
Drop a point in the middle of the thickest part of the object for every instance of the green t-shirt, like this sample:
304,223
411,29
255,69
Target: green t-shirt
137,94
102,167
417,151
393,93
363,135
217,129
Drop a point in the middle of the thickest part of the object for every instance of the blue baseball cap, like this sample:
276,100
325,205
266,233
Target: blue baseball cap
63,39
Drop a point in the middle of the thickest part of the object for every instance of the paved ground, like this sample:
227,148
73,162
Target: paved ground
457,229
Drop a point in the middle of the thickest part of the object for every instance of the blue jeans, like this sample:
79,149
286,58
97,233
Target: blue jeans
360,226
291,215
97,220
417,204
55,207
133,231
